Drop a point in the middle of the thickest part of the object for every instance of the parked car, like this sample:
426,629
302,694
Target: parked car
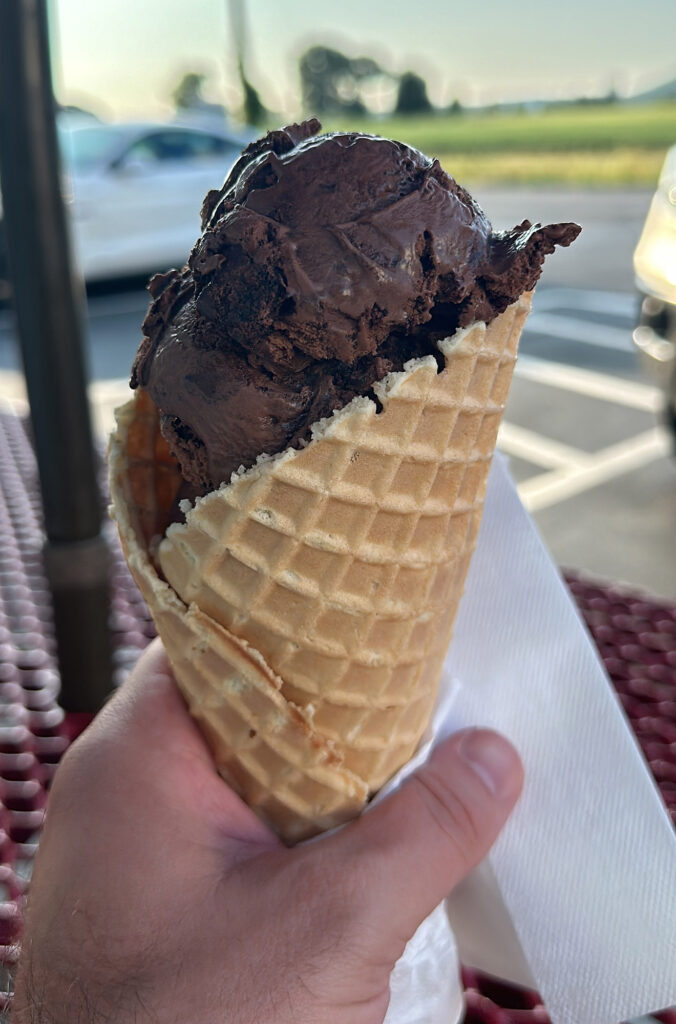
655,272
134,192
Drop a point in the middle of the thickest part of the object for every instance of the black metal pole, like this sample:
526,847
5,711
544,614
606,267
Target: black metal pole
49,317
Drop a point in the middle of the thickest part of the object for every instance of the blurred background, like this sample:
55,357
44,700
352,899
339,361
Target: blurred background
543,112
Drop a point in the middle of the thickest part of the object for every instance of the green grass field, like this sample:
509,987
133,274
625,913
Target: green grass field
605,144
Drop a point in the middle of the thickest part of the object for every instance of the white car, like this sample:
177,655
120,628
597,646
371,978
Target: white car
134,192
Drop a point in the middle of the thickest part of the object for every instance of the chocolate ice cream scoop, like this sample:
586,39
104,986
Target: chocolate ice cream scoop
325,261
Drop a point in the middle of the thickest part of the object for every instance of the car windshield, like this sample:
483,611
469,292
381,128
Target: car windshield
85,148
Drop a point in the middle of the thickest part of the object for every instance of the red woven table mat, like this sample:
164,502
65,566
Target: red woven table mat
635,635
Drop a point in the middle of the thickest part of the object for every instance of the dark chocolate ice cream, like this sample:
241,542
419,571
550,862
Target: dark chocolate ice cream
325,261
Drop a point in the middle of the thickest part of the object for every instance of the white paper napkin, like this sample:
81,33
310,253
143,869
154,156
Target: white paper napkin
578,896
425,984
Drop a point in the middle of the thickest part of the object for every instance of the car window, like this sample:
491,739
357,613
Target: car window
177,145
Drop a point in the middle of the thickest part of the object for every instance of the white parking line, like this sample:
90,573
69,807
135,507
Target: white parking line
548,489
104,398
543,451
114,388
585,331
590,383
12,386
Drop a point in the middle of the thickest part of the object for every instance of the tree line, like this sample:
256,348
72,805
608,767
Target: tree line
331,83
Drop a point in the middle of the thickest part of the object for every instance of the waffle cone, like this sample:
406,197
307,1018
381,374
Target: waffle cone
332,575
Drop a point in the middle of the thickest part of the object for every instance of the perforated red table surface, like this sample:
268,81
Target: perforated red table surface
635,635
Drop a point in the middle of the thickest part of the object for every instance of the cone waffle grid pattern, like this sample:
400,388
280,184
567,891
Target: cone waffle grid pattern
344,564
263,746
300,789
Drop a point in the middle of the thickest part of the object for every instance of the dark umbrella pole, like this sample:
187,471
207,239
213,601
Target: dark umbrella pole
49,315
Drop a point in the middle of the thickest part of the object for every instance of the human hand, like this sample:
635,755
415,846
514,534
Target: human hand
159,896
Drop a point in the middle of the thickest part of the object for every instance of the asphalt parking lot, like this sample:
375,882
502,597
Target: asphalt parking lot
593,464
591,460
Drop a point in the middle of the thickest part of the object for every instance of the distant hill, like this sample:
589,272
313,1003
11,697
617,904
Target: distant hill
665,91
659,93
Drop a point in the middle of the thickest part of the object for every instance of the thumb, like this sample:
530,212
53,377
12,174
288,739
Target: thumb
415,846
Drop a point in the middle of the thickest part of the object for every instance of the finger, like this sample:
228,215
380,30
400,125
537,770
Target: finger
415,846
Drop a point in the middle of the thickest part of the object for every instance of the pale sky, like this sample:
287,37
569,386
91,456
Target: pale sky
122,59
